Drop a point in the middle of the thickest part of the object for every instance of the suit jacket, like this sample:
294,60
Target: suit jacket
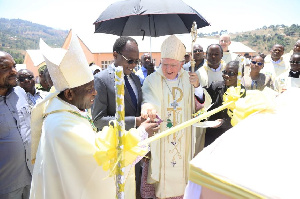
104,108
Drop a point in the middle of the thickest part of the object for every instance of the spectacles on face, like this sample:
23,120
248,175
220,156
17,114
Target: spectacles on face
229,73
130,61
258,63
22,79
198,51
294,62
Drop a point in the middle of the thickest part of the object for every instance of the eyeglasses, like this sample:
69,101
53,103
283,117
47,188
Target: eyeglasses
130,61
258,63
22,79
294,62
198,51
229,73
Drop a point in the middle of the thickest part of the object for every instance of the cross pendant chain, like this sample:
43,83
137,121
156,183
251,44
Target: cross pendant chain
174,104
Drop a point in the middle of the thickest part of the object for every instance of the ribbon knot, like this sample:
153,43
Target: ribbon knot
106,154
232,95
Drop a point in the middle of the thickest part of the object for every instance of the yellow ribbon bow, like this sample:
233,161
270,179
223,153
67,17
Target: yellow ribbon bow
232,95
107,152
255,101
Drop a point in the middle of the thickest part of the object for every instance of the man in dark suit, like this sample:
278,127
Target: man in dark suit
126,54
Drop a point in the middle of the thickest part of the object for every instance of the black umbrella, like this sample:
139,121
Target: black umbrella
148,17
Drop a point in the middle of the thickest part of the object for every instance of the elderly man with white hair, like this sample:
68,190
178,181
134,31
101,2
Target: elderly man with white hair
225,42
167,95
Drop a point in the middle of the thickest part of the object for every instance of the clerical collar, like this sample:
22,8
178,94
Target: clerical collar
294,74
276,62
173,79
217,69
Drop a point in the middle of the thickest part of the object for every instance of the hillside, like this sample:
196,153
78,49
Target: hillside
262,39
17,36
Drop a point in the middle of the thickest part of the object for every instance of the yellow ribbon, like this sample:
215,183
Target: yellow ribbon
107,152
232,95
255,101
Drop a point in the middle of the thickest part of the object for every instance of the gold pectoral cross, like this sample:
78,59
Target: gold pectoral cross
175,103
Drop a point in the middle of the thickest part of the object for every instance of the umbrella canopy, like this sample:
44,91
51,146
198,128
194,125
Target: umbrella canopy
148,18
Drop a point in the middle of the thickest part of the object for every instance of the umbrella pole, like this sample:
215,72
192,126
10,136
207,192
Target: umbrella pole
120,116
150,49
150,37
194,37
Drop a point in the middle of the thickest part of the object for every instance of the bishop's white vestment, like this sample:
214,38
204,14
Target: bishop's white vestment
65,166
170,155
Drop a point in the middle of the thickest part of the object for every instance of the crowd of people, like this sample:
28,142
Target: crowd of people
48,133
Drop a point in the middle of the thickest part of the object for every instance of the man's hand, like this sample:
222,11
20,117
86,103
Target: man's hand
218,125
139,121
198,105
150,127
148,111
194,80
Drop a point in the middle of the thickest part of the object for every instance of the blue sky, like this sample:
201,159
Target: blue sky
231,15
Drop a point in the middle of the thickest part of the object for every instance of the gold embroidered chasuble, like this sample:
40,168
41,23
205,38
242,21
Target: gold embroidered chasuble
170,155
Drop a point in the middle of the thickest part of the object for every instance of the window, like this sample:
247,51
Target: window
105,64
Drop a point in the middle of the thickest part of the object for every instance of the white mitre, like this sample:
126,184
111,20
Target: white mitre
173,48
68,69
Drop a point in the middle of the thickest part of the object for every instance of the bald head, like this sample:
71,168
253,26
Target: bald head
234,65
25,71
3,55
8,73
26,81
276,52
198,53
295,62
225,41
146,60
297,47
214,55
